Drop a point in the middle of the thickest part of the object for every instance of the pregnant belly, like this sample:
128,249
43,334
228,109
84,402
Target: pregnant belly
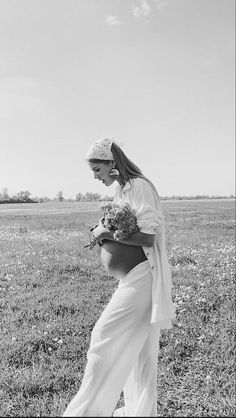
118,259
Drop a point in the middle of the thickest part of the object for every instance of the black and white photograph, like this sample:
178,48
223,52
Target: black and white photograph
117,208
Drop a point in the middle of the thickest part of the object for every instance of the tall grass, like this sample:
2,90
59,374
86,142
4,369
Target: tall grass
53,291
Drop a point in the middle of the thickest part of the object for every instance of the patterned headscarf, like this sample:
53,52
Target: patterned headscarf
100,150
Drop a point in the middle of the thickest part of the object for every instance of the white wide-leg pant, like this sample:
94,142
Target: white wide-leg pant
122,355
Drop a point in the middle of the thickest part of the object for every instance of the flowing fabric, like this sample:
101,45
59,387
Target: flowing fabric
122,355
139,193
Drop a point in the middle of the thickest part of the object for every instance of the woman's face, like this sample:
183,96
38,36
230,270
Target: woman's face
101,172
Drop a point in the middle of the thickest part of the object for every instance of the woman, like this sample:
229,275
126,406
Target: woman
124,343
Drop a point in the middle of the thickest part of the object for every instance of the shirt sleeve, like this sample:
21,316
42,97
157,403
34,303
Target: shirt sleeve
146,203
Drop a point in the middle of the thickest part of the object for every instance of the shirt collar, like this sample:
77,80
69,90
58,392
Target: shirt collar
120,189
126,187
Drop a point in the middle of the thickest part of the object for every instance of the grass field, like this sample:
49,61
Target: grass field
53,290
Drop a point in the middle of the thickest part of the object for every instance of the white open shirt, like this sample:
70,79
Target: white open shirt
140,195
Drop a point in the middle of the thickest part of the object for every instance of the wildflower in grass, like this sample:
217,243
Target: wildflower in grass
182,310
201,338
118,218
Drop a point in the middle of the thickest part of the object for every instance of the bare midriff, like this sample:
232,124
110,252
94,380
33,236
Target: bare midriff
118,259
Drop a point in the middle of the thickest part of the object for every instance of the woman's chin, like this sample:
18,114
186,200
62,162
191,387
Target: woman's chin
108,182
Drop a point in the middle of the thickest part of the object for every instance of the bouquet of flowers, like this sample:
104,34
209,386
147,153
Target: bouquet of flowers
118,218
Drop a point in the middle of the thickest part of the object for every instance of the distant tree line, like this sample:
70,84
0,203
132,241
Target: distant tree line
21,197
24,197
196,197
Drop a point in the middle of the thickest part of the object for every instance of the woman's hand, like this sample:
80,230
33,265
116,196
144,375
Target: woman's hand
99,232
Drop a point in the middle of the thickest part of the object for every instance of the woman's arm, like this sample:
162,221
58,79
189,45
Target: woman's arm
137,238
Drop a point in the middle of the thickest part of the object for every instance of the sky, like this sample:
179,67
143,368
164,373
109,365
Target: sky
158,75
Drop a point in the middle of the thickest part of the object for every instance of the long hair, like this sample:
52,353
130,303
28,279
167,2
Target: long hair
127,169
